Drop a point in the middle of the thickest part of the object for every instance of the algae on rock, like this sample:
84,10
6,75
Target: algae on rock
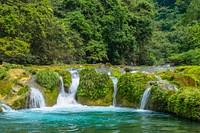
13,87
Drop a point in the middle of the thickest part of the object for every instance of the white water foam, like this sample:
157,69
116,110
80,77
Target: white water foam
68,99
6,108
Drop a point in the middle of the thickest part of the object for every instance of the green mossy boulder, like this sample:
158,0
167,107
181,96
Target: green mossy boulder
51,95
5,88
131,87
184,103
179,78
94,88
158,100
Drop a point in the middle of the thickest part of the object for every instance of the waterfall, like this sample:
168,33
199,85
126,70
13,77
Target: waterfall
65,99
6,108
115,81
36,99
145,98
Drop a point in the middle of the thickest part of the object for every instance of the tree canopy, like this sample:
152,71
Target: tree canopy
145,32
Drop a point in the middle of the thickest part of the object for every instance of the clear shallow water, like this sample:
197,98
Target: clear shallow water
93,119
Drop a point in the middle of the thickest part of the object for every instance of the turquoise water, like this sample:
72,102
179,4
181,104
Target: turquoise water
93,120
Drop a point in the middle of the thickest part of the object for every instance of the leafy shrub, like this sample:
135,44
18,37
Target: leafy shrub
9,66
191,57
3,74
47,78
32,70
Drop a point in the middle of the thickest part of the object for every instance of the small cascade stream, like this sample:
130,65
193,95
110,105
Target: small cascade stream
145,98
65,99
36,99
5,107
115,81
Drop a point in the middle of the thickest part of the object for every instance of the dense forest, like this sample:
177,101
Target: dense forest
130,32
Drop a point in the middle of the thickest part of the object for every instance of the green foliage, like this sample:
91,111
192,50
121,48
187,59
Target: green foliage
33,70
12,48
131,87
3,73
93,87
9,66
192,57
130,32
47,78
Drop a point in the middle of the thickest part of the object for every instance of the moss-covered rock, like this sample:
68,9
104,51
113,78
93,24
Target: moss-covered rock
186,103
94,88
5,88
13,87
19,103
67,79
51,96
17,100
116,72
158,100
1,110
131,86
179,78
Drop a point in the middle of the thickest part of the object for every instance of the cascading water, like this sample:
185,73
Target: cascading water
115,81
65,99
145,98
36,99
6,108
